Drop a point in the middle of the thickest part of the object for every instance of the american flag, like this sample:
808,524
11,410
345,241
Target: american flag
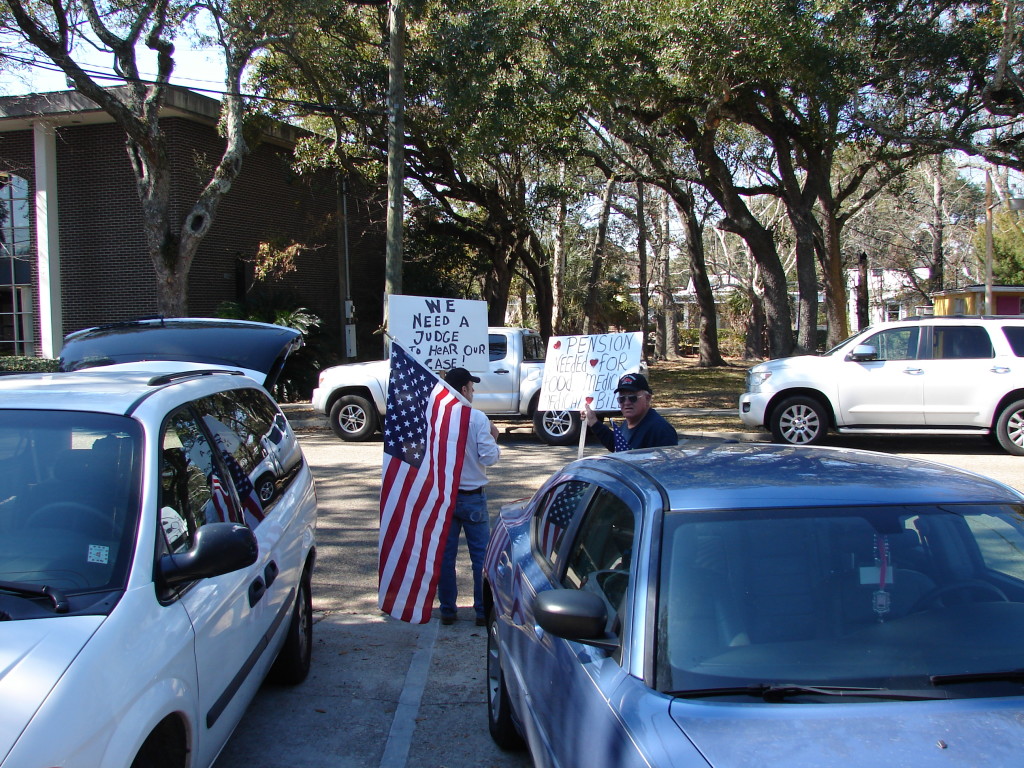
621,443
252,508
425,428
559,515
219,499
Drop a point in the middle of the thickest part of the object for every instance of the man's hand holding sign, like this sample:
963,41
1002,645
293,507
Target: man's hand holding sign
585,373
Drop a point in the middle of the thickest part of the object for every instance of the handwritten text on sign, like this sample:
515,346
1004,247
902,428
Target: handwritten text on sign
581,369
441,333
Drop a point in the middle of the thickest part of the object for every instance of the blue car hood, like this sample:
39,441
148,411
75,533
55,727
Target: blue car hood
982,732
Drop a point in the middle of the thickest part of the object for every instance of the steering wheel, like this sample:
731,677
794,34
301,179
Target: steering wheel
71,515
934,597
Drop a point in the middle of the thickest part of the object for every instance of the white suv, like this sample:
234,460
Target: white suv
151,576
936,376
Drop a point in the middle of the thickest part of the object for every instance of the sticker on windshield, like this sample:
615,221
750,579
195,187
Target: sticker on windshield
98,554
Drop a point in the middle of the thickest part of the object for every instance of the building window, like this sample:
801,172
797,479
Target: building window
16,321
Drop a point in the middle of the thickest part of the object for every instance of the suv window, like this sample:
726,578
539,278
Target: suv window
192,490
1015,335
895,343
554,515
960,342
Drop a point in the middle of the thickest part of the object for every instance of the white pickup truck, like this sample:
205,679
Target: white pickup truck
353,396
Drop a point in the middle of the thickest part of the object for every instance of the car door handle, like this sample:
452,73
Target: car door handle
999,369
256,591
270,573
500,370
503,563
914,371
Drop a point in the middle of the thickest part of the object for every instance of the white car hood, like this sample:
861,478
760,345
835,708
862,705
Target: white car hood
986,732
34,654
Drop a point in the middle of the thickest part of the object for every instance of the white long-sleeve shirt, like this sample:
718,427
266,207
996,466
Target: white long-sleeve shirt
481,451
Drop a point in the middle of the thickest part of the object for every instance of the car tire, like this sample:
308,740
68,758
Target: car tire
557,427
1010,428
353,418
292,664
265,487
799,420
499,707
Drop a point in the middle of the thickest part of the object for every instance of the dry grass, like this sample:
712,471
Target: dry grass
684,384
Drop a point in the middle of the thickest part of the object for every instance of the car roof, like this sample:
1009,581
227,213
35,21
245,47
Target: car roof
720,475
95,390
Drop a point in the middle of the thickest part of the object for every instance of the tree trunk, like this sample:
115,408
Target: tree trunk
592,308
671,336
641,251
558,258
863,316
710,353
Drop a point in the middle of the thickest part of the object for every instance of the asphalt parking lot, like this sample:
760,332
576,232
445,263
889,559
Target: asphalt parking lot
384,693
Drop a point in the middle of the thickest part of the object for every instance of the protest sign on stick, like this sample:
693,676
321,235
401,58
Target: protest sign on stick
441,333
584,370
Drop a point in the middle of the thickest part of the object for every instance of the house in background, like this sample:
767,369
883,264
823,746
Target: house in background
1007,300
72,251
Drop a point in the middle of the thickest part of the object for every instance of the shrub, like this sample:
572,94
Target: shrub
27,364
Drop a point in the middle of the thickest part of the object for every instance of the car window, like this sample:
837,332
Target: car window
534,350
839,596
554,515
600,557
895,343
961,342
192,488
497,346
236,430
69,498
1015,335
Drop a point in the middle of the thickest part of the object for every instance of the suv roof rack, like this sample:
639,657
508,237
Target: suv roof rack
169,378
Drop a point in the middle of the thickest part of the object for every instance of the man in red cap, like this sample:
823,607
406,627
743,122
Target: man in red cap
644,428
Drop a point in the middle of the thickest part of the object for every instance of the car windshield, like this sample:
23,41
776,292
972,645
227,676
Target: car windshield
909,598
69,500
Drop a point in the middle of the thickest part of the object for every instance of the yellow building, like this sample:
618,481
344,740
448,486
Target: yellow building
1007,299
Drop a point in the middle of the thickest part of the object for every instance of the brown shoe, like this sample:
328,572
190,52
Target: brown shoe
448,620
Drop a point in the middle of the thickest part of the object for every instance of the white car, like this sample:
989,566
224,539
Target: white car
926,376
146,589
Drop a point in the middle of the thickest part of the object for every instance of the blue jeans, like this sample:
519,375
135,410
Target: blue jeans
471,515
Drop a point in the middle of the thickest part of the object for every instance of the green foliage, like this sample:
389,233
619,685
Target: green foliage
28,364
1007,247
303,366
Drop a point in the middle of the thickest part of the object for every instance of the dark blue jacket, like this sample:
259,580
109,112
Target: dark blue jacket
653,431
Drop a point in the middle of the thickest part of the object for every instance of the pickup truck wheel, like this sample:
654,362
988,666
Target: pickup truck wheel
799,420
353,418
557,427
1010,428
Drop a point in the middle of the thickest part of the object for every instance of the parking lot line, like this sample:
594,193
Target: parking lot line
396,750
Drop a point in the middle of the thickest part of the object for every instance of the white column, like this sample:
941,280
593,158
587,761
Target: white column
51,326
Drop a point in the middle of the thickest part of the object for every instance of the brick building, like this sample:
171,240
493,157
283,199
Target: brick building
72,252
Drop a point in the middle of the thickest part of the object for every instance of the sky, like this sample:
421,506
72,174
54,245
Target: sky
199,69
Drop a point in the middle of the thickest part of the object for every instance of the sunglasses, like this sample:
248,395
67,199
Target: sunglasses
624,398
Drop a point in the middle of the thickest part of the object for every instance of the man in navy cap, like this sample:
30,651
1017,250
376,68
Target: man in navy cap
644,428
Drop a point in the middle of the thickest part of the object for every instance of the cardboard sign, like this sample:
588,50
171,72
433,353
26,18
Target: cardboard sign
441,333
581,369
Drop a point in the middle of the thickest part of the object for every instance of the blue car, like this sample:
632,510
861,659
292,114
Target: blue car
726,605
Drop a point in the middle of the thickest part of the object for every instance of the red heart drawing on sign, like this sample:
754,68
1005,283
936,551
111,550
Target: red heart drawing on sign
594,362
590,400
558,345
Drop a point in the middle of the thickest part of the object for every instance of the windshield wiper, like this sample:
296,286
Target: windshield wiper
60,602
1006,675
778,692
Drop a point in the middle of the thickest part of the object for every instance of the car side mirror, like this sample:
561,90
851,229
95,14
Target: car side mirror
218,548
863,353
575,615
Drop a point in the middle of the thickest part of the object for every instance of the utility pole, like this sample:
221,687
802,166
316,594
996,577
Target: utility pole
396,154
